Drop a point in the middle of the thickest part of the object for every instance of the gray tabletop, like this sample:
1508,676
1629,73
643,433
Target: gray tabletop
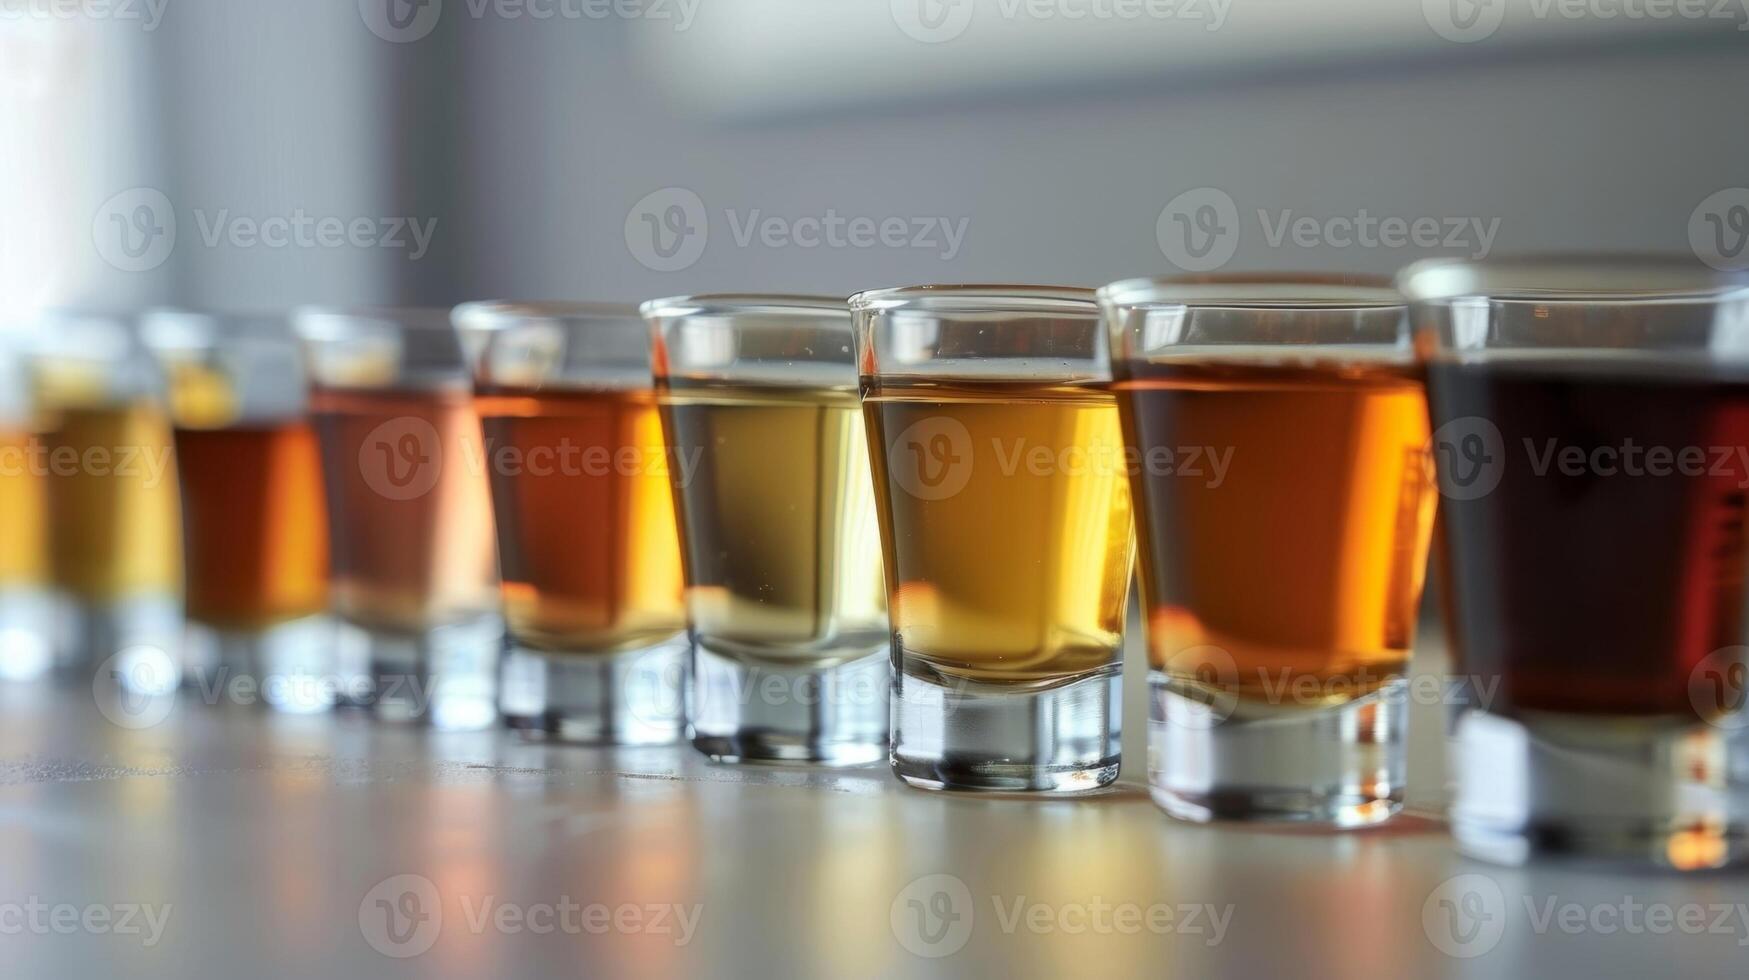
228,842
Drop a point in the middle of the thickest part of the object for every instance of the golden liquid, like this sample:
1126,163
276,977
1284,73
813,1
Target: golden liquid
114,528
255,526
1021,574
412,545
777,523
588,546
23,544
1305,563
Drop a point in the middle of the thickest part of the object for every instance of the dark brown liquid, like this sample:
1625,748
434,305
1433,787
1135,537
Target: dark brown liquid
255,528
1586,591
580,486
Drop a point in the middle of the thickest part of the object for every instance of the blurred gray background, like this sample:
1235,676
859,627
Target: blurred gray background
634,148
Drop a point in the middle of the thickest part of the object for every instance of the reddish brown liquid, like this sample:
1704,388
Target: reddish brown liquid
255,528
409,506
580,486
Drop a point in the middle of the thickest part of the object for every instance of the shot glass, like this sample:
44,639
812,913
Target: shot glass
587,544
1007,530
109,480
26,601
414,580
1278,428
1592,440
784,599
254,522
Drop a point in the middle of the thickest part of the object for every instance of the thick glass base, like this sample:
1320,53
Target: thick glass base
88,633
742,712
445,677
27,624
1219,758
632,697
1650,792
951,734
287,666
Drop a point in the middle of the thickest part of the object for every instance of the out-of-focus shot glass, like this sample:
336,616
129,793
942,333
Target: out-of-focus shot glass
587,545
254,522
114,535
1284,502
1592,438
784,599
1006,525
26,602
414,563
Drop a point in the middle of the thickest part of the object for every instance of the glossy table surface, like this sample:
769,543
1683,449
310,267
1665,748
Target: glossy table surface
228,842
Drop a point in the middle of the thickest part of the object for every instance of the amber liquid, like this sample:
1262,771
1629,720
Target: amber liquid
23,545
777,523
409,507
113,525
589,551
1020,575
254,524
1304,562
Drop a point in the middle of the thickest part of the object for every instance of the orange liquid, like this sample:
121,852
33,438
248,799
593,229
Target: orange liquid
254,524
411,544
23,558
111,490
590,554
1305,562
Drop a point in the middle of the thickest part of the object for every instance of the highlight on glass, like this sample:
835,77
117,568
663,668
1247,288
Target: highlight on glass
784,598
109,480
26,598
587,545
254,522
414,578
1591,416
1007,529
1278,428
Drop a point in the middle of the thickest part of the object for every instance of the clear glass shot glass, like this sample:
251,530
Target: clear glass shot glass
1284,504
109,480
1592,441
1007,529
784,598
414,578
588,551
26,598
254,521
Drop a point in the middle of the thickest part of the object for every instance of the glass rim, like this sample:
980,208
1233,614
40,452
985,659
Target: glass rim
1603,278
489,314
1066,301
1263,292
744,304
